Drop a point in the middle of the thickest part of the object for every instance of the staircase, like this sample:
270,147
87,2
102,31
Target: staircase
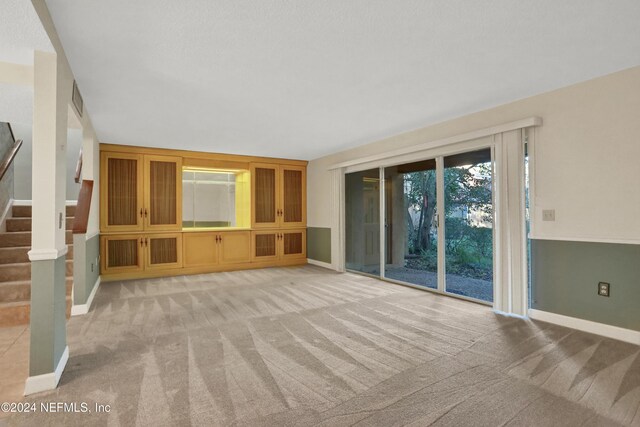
15,267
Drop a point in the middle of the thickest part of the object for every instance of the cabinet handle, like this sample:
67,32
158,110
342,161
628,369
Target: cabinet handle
141,212
220,239
146,241
145,212
141,242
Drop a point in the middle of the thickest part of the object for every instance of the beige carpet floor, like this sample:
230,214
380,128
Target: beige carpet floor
306,346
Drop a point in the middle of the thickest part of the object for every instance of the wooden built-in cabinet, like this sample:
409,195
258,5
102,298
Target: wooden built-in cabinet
141,212
134,253
274,245
140,192
279,196
203,249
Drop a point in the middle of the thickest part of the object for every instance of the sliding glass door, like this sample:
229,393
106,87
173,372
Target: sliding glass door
437,229
362,221
468,212
411,223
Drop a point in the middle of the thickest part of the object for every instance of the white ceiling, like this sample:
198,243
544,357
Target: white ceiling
305,78
21,32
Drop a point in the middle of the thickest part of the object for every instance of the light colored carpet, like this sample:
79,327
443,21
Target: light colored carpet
306,346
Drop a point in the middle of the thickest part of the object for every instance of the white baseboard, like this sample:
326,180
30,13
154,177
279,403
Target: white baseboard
49,381
609,331
319,263
79,309
504,313
30,202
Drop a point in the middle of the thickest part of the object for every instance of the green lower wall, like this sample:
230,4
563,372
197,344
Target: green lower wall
85,266
565,276
48,315
92,267
319,244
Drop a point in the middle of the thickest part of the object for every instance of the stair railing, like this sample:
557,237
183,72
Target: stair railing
8,158
79,167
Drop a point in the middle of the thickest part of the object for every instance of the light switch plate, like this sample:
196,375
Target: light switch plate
549,215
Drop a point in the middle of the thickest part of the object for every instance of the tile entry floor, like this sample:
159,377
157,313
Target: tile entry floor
307,346
14,363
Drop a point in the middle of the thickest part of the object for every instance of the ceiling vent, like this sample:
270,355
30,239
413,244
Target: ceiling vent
76,98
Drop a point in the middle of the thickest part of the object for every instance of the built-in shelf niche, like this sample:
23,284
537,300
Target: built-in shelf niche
215,198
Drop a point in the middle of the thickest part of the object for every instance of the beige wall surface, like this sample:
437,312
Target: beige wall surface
587,153
22,185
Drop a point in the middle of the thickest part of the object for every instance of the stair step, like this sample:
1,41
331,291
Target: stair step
17,313
23,238
22,271
24,224
25,211
21,254
21,290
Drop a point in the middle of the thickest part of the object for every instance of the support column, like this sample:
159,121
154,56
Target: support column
48,352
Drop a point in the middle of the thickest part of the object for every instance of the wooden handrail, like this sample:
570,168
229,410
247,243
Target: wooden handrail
81,217
8,158
79,167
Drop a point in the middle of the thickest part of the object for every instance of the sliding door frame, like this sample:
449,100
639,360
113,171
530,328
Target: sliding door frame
506,285
438,156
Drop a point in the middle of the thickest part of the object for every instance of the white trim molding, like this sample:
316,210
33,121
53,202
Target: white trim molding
80,309
47,254
320,264
609,331
30,202
481,133
44,382
585,239
91,235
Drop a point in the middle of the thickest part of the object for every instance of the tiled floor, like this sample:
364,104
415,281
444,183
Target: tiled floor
14,363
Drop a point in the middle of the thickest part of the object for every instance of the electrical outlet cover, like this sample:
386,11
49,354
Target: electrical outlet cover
603,289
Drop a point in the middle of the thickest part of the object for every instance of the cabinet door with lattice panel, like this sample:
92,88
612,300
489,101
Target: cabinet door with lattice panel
264,245
293,209
293,243
163,251
121,192
122,253
265,185
163,193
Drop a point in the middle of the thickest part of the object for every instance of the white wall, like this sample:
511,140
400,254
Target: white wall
22,181
586,166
